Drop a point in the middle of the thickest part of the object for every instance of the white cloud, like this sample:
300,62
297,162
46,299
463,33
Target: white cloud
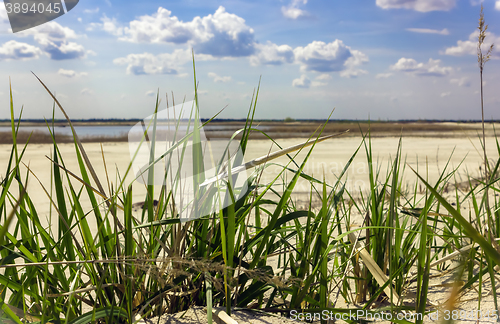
443,31
497,5
462,82
148,63
383,75
352,63
323,77
221,34
430,68
4,21
71,73
86,92
292,11
445,94
217,78
418,5
272,54
302,82
150,93
91,11
167,63
109,25
332,57
469,47
13,50
53,38
4,18
318,84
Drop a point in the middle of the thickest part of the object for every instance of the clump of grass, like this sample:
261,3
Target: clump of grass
152,263
260,252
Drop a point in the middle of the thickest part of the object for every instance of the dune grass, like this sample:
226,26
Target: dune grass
260,252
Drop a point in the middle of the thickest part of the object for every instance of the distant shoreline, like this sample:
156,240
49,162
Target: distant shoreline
133,121
274,129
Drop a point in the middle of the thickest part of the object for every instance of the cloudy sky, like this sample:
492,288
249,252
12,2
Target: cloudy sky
377,59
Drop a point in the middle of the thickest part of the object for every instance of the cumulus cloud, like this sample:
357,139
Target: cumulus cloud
272,54
147,63
292,11
418,5
302,82
431,68
216,78
13,50
321,80
443,31
462,82
225,35
383,75
332,57
469,47
221,34
321,57
53,39
109,25
352,63
71,73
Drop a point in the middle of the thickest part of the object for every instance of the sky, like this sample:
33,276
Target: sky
369,59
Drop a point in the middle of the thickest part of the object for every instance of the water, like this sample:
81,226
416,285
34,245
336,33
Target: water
114,130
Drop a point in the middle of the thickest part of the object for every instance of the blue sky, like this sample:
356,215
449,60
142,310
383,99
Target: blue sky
377,59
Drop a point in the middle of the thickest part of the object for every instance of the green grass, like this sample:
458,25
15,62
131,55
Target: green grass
260,252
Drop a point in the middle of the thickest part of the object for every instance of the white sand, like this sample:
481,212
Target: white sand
428,155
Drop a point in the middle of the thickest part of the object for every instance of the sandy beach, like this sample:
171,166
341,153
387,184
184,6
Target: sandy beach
429,155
